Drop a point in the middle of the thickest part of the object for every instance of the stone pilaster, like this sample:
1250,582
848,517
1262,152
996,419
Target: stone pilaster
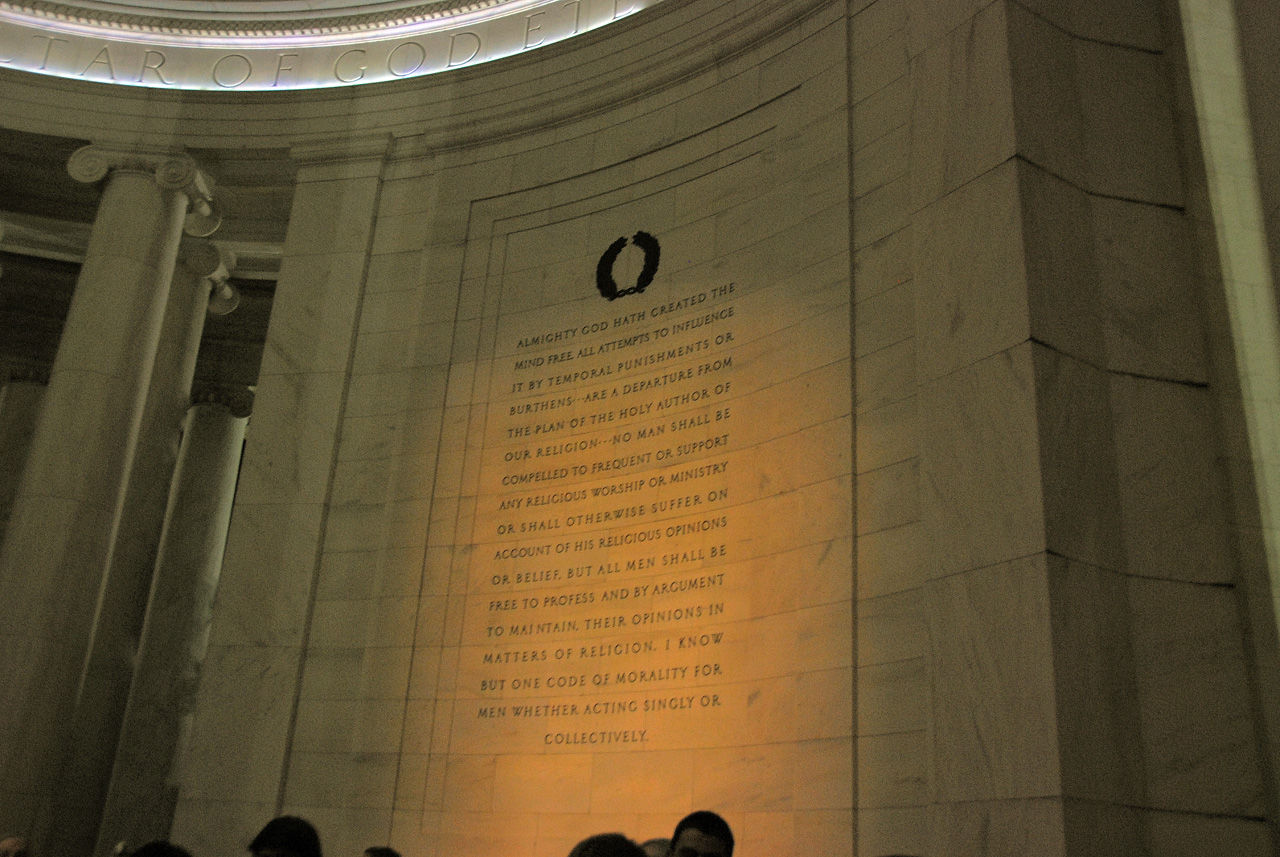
1086,668
246,712
68,507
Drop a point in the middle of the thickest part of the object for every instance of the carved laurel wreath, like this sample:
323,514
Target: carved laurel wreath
604,268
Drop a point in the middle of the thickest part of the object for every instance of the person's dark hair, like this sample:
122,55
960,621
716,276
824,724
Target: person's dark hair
707,822
159,848
289,834
607,845
381,851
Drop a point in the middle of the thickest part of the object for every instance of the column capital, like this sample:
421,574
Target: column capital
213,263
172,170
235,398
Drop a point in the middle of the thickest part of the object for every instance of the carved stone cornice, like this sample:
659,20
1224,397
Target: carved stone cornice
66,240
236,399
371,147
628,74
272,45
634,59
195,20
173,171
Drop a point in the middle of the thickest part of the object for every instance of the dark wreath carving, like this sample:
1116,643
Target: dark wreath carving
604,268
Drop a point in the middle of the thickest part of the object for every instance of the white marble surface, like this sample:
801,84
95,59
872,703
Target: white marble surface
1016,500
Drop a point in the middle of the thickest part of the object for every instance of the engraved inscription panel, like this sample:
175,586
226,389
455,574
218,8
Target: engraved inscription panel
602,588
651,590
660,480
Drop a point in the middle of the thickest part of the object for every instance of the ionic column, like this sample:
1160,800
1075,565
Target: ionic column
81,789
67,507
144,785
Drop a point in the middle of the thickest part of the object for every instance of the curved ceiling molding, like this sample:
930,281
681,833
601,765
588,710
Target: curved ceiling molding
272,45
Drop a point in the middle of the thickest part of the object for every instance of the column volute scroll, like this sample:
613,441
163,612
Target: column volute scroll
213,264
173,171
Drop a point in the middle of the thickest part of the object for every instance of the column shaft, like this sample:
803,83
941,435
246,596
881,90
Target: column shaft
122,601
67,506
143,791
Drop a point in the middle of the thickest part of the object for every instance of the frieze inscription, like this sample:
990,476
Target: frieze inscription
163,54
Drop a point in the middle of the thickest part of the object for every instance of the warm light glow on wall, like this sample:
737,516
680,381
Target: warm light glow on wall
163,58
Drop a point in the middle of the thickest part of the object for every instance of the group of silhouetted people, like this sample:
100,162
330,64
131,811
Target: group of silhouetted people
286,836
699,834
290,836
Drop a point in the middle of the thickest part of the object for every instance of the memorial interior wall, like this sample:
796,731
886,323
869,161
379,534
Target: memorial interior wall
546,522
546,510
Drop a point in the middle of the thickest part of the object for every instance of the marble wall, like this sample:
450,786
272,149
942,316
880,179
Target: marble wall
906,510
544,563
1052,652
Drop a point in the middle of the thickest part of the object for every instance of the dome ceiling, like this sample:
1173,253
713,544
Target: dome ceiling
271,45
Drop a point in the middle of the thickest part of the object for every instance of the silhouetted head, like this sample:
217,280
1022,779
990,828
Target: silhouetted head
607,845
286,836
381,851
702,834
159,848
